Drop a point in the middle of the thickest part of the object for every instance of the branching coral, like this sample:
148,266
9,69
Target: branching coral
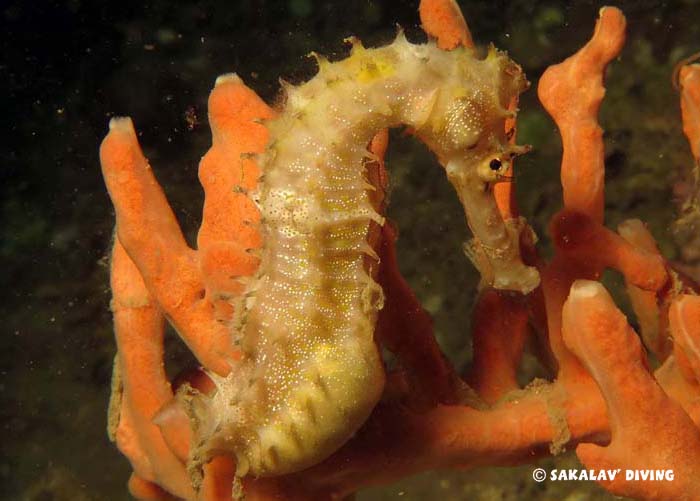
603,399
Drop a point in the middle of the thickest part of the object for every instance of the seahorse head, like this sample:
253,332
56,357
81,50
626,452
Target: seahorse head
469,114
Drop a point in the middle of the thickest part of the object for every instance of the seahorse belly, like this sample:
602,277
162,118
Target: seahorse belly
311,372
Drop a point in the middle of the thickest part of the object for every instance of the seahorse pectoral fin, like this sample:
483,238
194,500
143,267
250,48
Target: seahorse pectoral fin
495,250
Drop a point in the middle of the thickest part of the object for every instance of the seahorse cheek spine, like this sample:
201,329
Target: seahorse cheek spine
311,372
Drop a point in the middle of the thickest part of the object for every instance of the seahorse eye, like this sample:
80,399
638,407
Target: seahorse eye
495,164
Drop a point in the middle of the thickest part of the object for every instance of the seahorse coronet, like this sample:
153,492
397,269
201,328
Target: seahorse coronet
311,373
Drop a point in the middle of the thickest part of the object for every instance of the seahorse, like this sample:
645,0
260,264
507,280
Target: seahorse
311,373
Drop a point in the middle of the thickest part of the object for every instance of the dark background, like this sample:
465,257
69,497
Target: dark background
66,67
